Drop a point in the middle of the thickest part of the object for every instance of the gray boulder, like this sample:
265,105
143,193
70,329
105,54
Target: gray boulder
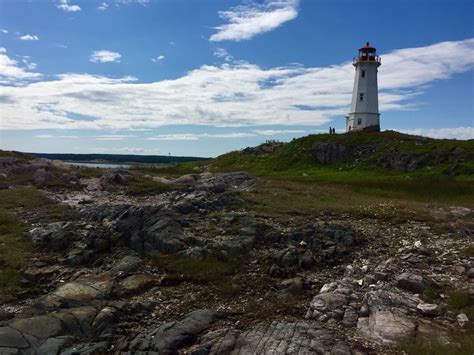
129,263
263,149
4,315
411,282
115,177
329,301
55,236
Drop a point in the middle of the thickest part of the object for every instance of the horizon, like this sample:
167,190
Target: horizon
194,78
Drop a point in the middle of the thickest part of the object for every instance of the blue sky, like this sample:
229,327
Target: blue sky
202,77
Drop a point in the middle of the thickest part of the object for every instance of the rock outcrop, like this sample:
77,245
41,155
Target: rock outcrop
328,153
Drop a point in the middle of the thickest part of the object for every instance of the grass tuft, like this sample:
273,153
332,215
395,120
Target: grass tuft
209,269
460,344
459,300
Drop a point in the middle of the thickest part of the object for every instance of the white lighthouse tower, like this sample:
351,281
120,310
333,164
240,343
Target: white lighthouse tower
364,114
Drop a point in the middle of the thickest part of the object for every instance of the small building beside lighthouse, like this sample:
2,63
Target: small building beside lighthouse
364,114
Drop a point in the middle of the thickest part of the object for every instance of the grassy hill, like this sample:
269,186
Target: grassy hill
384,164
368,154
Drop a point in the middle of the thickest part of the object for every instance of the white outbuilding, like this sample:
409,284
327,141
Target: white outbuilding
364,114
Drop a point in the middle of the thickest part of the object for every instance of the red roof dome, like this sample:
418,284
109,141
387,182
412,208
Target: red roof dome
367,47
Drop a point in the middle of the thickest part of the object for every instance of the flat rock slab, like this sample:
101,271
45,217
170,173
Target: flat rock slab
172,336
80,291
387,327
277,337
46,333
136,283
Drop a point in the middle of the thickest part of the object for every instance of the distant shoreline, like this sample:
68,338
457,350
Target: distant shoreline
116,159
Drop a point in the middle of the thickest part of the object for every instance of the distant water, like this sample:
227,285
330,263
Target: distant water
99,165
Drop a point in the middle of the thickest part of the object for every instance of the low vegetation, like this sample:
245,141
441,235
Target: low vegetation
173,170
280,197
17,205
461,344
141,185
359,181
207,270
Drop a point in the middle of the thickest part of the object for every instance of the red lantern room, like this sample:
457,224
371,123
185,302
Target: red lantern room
367,54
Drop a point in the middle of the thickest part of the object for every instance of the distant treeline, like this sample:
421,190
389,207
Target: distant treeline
117,158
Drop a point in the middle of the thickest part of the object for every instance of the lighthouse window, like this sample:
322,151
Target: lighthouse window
362,74
361,97
359,121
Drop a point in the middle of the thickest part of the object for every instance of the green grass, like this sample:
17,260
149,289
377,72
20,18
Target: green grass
431,294
13,154
293,162
461,344
283,197
468,251
209,269
87,173
459,300
141,185
13,253
296,155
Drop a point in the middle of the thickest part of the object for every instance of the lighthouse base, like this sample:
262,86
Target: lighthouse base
363,121
374,128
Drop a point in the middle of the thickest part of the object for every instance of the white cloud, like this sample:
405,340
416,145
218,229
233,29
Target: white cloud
272,132
50,136
247,21
104,57
449,133
128,2
195,136
65,6
12,72
238,94
222,53
3,30
158,59
113,137
229,135
28,63
102,7
29,38
174,137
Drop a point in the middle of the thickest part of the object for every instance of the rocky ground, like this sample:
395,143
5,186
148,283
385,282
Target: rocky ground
196,270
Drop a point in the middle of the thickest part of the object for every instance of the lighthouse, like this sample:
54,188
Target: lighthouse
364,114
